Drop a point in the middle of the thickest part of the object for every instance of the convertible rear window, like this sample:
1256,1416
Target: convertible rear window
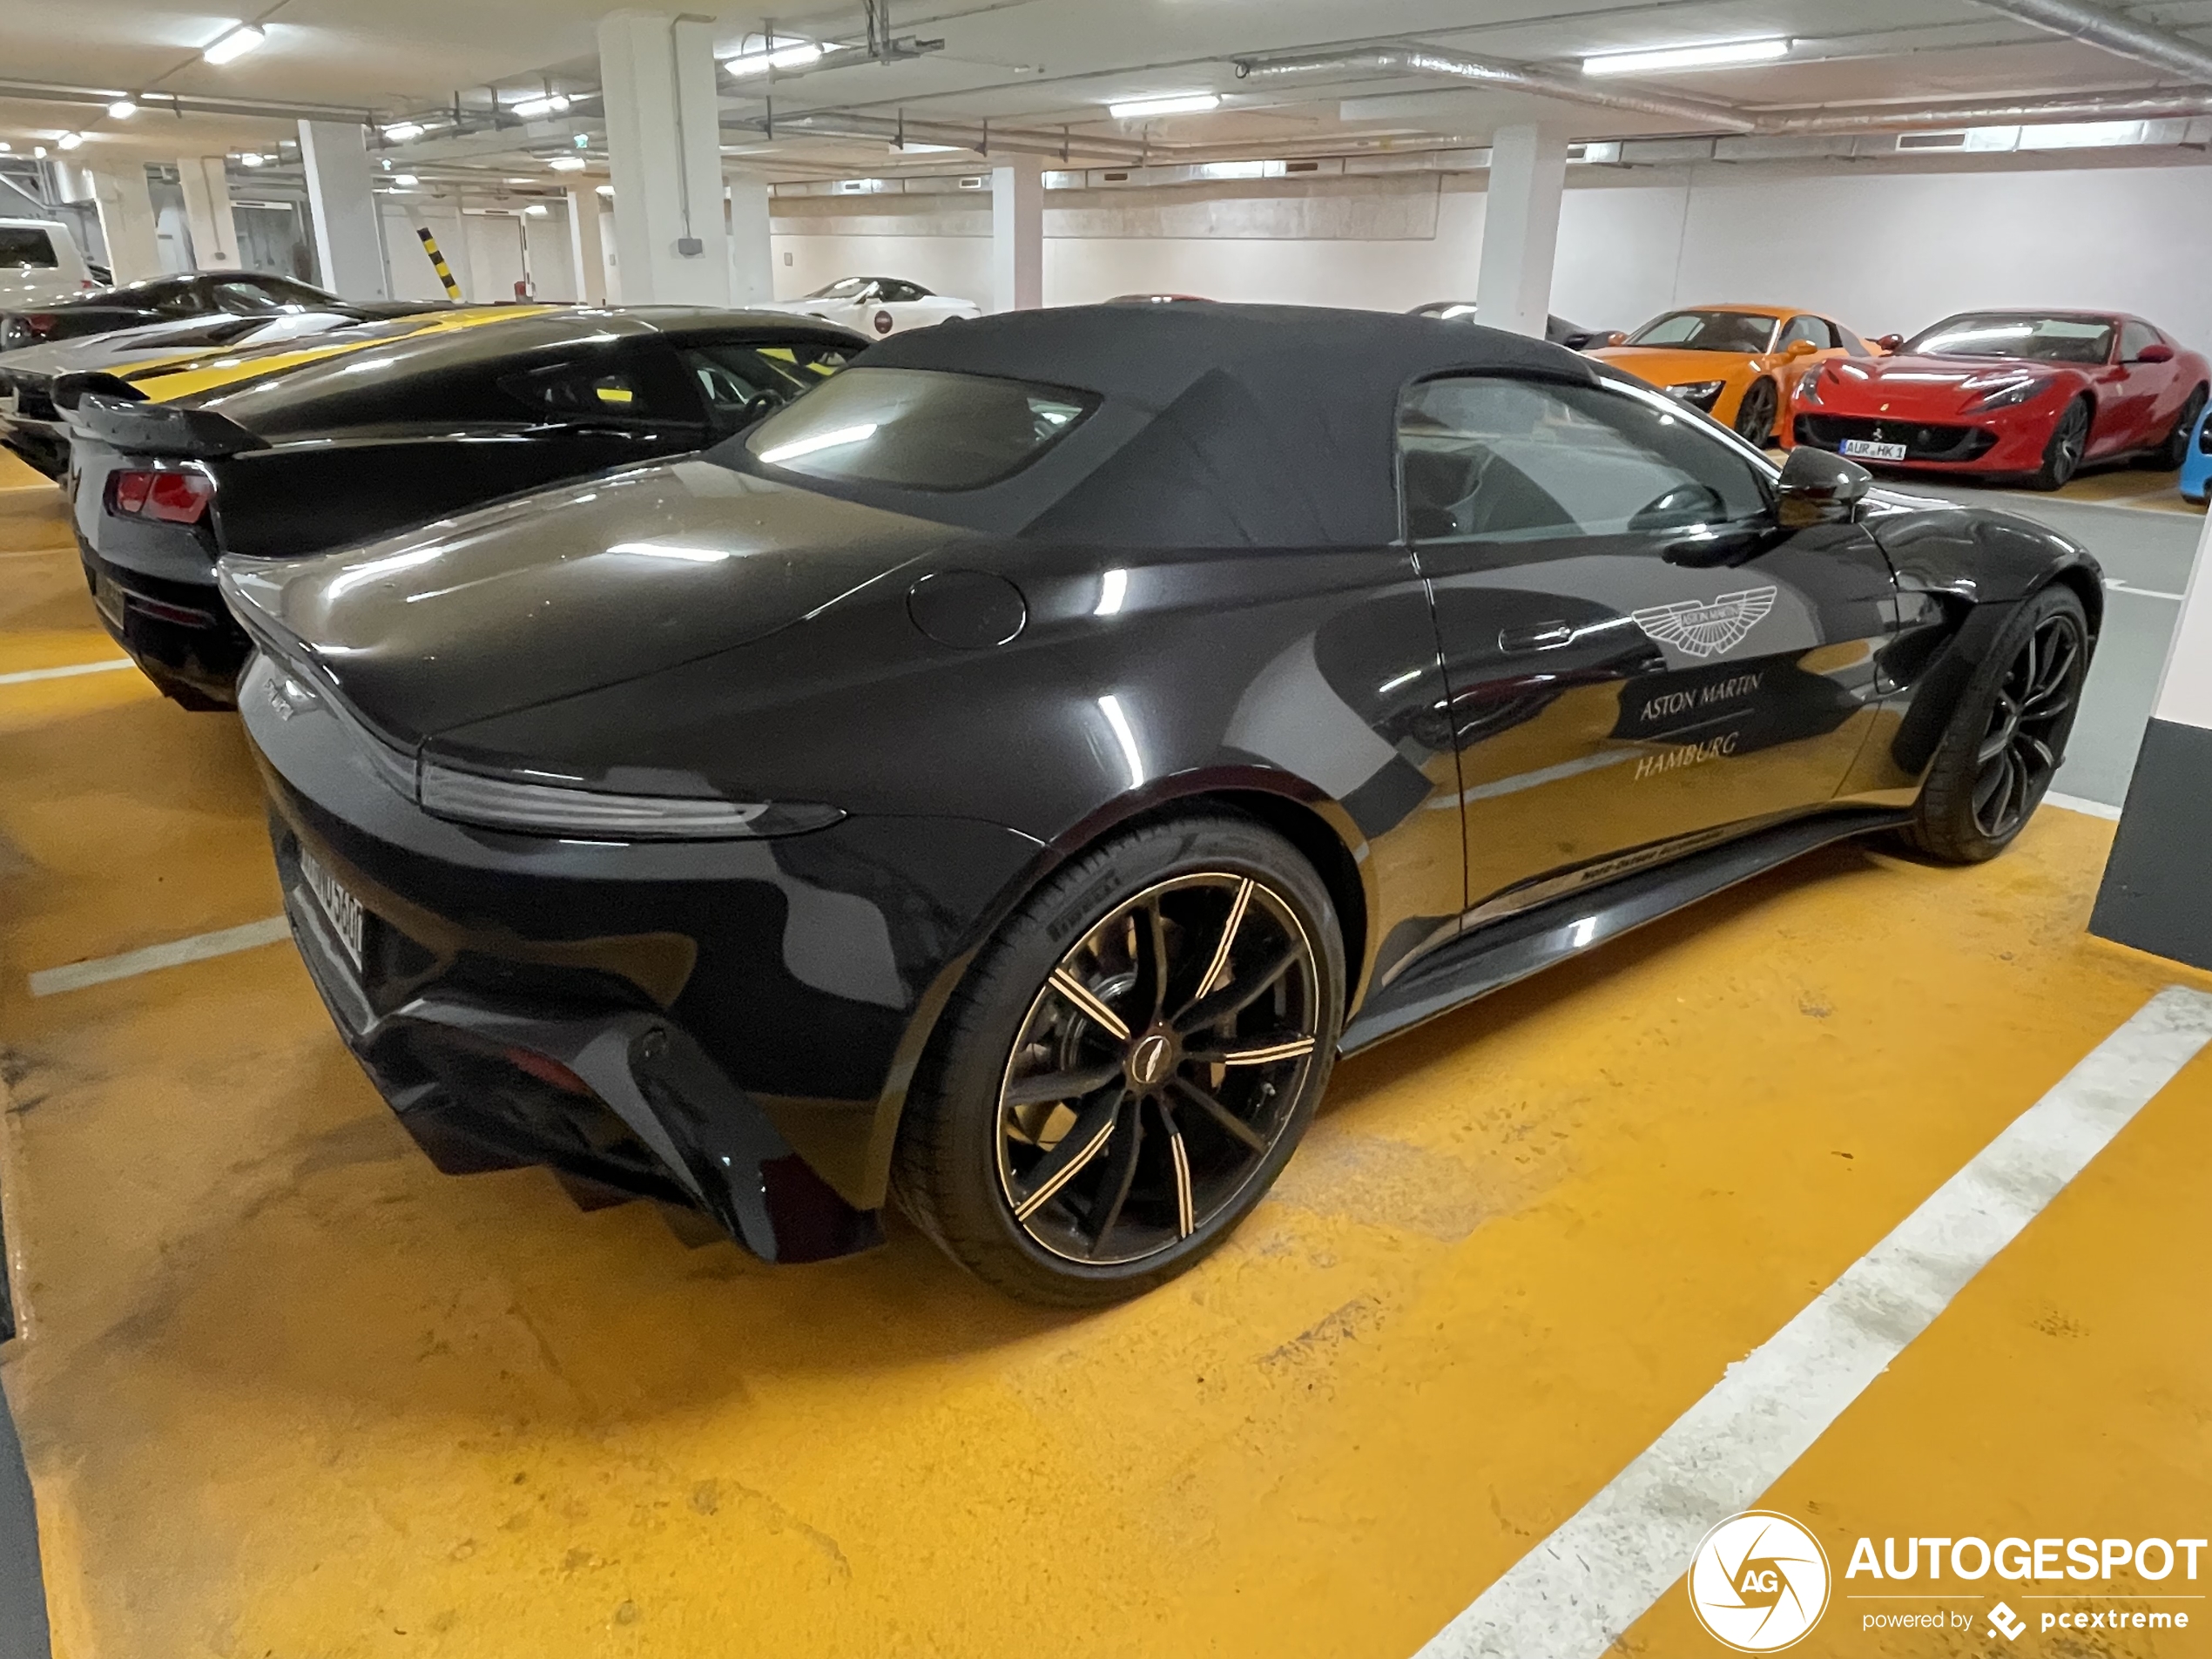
21,244
1728,331
917,429
2041,339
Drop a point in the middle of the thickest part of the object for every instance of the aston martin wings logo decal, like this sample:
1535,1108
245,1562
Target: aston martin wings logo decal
1700,630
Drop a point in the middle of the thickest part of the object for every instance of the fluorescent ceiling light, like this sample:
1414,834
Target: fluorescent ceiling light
123,109
537,209
405,178
38,151
911,148
236,44
566,164
400,131
1718,56
800,54
5,147
606,190
1181,104
252,158
71,140
551,104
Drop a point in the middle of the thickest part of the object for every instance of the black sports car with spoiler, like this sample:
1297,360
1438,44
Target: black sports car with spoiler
163,298
1009,776
276,451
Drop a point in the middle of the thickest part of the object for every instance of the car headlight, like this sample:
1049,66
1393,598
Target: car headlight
2011,394
1809,387
533,808
1700,394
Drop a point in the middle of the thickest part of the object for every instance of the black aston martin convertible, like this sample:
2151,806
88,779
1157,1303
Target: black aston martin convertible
1009,776
278,450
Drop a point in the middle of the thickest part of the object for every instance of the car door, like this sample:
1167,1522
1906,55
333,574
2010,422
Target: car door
2144,391
1638,653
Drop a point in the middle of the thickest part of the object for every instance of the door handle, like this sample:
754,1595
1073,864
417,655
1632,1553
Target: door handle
1543,636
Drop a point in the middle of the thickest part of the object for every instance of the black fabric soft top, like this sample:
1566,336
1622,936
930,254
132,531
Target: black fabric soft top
1255,425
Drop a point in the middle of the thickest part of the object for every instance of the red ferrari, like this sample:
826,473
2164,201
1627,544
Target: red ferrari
2026,395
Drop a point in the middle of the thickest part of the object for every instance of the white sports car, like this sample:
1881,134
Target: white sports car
879,306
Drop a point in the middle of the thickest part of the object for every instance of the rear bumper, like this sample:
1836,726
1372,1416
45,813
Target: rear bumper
614,1098
180,632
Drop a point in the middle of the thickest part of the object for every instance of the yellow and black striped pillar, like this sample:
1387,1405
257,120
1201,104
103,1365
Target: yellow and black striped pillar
438,261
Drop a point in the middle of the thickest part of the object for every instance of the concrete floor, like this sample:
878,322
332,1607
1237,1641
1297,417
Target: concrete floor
286,1390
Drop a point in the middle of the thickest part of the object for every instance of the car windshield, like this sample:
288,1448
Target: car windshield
1729,331
843,288
25,245
2036,339
916,428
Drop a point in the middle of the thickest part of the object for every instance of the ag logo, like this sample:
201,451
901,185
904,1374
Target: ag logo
1700,630
1758,1583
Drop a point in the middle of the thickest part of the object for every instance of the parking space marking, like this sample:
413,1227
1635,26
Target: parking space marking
1573,1595
2082,804
197,948
2114,585
25,676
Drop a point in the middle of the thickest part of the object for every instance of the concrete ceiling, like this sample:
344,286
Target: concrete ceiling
1039,65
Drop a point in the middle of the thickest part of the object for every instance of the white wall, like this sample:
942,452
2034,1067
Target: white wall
1883,248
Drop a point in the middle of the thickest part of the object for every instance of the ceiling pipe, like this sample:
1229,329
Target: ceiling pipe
2181,102
180,103
983,138
2147,42
1696,114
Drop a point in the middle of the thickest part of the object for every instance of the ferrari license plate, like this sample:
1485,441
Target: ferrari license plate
339,908
1867,449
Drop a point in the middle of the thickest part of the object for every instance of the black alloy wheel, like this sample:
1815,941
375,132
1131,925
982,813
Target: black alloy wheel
2019,752
1754,414
2069,443
2170,456
2008,734
1128,1063
1157,1068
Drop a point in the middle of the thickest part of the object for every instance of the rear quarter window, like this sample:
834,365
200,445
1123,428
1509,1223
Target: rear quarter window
27,247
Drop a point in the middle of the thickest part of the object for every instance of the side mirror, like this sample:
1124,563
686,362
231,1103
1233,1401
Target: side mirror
2157,352
1800,348
1816,488
1613,337
1890,343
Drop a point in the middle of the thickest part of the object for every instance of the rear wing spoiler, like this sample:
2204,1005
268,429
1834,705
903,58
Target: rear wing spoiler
111,410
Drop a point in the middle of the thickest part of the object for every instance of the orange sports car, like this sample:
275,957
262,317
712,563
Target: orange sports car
1732,361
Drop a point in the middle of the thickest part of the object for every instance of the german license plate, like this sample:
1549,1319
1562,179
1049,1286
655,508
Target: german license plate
109,598
339,908
1867,449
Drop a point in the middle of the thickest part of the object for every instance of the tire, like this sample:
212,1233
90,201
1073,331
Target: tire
2069,443
1755,416
2173,454
1133,1174
2008,734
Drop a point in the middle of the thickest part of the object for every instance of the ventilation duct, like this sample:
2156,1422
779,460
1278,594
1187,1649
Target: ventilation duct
2094,25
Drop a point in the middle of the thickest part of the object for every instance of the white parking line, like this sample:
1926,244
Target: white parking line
197,948
2079,803
1573,1595
25,676
2114,585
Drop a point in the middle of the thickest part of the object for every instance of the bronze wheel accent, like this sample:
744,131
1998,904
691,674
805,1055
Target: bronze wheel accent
1157,1068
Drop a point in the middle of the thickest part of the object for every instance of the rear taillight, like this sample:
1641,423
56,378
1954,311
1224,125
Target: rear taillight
40,324
172,497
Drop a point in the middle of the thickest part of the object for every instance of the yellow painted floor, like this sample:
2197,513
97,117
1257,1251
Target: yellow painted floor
288,1393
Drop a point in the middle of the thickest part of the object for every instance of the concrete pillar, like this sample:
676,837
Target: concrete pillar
664,145
349,243
1017,234
1521,229
587,259
2155,895
207,212
752,261
127,224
